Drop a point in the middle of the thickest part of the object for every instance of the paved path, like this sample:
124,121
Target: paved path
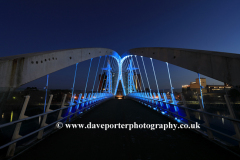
98,144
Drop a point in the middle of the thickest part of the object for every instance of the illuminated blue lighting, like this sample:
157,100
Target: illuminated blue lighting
140,73
146,74
46,95
154,75
136,76
96,74
200,89
88,75
169,77
101,74
108,85
120,72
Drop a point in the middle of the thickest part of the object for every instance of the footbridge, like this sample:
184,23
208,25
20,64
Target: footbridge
122,92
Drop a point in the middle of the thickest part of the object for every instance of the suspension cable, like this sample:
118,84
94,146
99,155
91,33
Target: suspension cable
128,63
96,74
137,75
46,95
169,77
102,82
146,74
200,89
88,76
125,64
110,61
140,73
74,83
101,74
134,72
134,78
154,75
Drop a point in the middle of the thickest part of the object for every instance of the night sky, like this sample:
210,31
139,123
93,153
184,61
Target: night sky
41,25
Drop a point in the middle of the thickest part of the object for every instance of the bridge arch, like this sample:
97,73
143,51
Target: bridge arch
21,69
218,65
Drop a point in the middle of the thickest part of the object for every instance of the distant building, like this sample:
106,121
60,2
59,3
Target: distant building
191,91
217,88
102,79
195,87
186,86
137,82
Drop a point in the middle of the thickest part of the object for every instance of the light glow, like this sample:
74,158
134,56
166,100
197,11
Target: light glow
11,116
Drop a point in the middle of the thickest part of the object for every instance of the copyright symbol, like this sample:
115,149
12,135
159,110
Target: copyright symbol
59,125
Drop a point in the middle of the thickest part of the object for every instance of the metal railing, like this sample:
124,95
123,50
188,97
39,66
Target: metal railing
84,103
155,103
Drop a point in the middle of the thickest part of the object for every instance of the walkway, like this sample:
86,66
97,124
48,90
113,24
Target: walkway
122,144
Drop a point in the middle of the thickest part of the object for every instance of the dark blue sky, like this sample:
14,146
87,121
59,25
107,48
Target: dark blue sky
42,25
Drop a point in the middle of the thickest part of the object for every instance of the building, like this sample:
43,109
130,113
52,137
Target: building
218,88
138,82
191,91
195,87
102,79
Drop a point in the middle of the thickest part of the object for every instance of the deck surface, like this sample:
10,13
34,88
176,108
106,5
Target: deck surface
122,144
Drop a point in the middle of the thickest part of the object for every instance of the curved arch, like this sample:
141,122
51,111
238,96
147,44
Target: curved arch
218,65
120,72
21,69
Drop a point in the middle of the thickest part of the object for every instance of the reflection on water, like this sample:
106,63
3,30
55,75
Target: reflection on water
218,123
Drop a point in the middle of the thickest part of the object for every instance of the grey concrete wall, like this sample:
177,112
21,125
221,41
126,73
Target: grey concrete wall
21,69
221,66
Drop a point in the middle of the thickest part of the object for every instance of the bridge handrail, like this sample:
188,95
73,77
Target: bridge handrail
101,97
229,118
38,115
203,125
207,126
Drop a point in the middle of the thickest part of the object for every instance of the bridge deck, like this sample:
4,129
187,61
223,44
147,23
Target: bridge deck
122,144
